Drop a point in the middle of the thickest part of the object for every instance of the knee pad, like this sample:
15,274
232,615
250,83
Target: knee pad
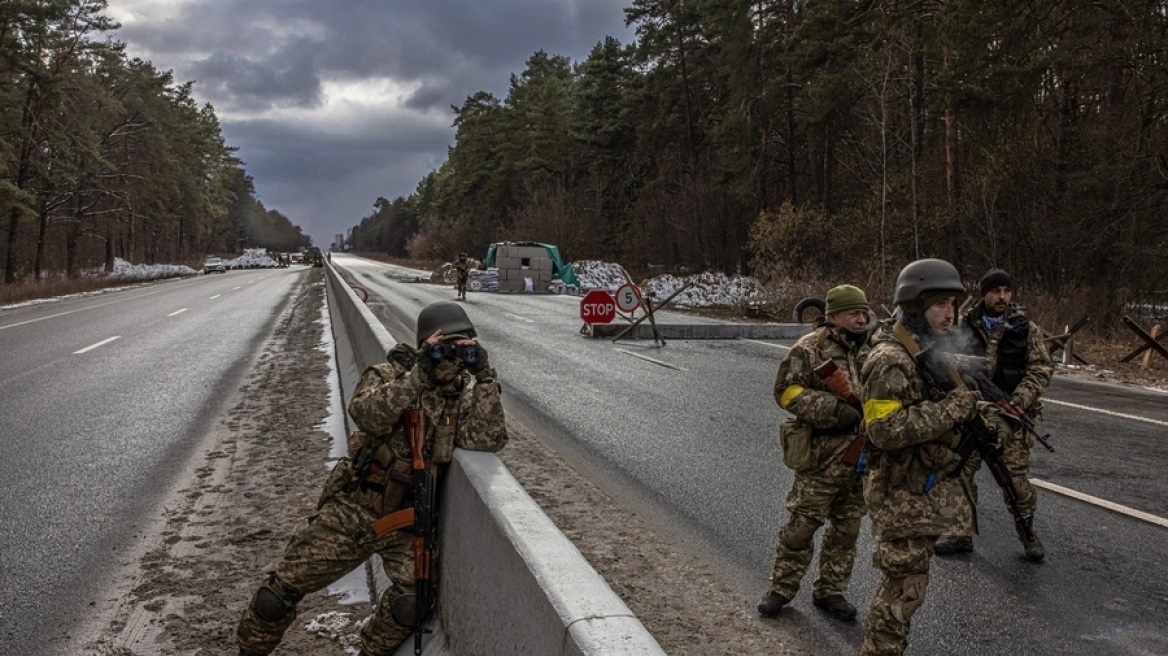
798,532
911,597
274,601
843,533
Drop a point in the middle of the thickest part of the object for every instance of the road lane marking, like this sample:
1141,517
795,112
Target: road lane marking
240,287
177,312
88,307
510,314
649,359
214,297
1155,422
1103,503
767,344
101,343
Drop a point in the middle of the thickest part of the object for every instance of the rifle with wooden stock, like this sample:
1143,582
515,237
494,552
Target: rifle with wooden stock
833,377
419,519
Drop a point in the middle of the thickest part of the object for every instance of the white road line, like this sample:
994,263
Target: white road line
649,359
101,343
767,344
510,314
240,287
214,297
1113,413
1102,503
88,307
177,312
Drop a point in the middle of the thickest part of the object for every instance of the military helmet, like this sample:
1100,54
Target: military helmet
928,275
446,316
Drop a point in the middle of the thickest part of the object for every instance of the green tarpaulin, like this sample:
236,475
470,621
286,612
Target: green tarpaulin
560,269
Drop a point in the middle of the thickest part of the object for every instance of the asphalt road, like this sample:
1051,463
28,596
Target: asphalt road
688,432
102,401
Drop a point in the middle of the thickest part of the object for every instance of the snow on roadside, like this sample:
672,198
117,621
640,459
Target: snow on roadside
123,270
708,289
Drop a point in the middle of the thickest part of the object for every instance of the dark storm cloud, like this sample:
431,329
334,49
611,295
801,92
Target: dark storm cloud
266,66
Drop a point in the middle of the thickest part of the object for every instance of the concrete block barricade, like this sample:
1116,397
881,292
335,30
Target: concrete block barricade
509,581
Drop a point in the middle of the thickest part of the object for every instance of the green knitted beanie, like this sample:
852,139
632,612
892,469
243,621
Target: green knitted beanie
845,297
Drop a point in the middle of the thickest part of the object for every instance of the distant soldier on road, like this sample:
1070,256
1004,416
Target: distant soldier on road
461,399
1017,361
462,267
912,491
822,444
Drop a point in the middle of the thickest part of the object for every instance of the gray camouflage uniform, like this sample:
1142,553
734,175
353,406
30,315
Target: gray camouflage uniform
828,489
910,426
467,413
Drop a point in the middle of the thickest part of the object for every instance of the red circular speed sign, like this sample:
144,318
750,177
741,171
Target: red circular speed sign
597,306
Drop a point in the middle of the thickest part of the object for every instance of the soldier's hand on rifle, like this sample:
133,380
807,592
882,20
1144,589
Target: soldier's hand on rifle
997,426
847,416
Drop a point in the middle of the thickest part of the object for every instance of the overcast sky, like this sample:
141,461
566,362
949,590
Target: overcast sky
333,104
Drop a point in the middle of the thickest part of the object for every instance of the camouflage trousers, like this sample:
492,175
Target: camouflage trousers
811,502
336,541
904,568
1017,458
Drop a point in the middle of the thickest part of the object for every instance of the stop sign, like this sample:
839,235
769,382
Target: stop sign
597,307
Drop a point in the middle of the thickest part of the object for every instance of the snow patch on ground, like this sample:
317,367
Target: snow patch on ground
334,626
708,289
123,270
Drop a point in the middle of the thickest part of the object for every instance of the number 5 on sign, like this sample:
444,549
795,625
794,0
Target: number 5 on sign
627,298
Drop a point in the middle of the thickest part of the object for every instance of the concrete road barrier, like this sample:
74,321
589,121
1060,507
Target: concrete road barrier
509,581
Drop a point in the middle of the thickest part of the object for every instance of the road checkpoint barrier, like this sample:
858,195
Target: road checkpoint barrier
509,581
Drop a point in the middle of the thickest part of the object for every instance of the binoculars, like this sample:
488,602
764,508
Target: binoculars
443,350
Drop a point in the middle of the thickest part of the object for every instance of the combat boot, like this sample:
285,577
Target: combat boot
836,606
771,603
948,545
1030,542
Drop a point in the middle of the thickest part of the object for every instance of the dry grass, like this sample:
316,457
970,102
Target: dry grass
30,290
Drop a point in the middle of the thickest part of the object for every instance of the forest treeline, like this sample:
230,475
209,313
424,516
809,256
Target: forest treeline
827,140
104,156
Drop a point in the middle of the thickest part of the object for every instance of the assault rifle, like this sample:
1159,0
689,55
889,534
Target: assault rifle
991,392
975,437
419,519
833,377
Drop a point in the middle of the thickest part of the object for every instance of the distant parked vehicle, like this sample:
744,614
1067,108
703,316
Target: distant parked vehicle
214,265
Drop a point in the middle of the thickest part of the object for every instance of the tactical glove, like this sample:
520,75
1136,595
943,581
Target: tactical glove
847,416
996,424
481,367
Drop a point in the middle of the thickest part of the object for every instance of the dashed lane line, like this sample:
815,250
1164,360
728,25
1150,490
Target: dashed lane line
214,297
653,360
512,314
1124,415
177,312
1102,503
101,343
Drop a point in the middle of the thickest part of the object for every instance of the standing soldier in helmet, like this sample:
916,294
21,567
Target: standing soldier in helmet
1019,364
912,491
822,443
462,268
459,393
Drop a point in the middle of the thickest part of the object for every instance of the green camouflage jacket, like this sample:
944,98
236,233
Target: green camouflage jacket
907,420
1039,366
801,392
468,414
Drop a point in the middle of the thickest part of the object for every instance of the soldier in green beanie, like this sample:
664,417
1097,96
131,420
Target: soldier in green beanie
822,443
